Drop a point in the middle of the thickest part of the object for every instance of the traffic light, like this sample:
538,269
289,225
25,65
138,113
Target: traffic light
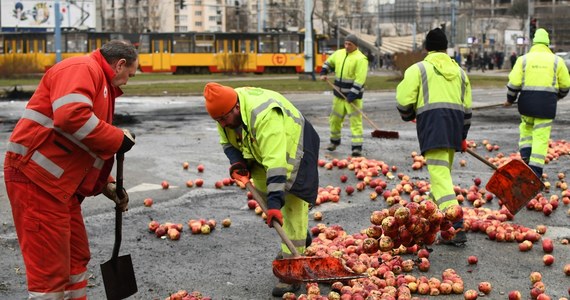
335,31
182,4
533,26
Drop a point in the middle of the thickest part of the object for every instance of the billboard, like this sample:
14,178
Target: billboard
40,14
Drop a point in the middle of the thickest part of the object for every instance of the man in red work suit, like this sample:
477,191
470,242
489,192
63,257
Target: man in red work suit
61,151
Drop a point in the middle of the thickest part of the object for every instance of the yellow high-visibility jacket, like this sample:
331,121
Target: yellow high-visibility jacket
539,79
350,71
278,137
437,92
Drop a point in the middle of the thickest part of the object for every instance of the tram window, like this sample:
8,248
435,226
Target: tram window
268,44
50,44
204,43
289,44
144,44
76,42
156,46
182,45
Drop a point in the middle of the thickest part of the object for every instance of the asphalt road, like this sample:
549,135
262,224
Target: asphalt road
235,262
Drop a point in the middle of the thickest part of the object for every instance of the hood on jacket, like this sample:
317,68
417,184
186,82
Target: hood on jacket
443,64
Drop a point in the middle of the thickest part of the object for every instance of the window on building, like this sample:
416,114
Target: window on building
198,24
198,13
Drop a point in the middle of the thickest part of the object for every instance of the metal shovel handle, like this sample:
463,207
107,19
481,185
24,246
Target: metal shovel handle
118,212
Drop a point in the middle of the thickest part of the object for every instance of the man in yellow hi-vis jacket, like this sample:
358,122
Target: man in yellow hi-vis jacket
437,93
264,134
539,79
350,67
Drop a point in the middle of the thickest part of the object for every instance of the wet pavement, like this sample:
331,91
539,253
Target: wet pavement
235,262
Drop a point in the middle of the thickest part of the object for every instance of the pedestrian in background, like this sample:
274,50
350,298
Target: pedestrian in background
513,59
60,152
437,93
350,67
264,134
538,79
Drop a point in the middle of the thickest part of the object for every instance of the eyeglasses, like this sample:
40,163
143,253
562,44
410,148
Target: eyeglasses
227,115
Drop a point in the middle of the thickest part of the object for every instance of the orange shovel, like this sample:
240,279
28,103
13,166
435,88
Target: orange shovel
300,268
514,183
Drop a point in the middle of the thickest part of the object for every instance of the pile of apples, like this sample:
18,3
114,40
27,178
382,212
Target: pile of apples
173,231
185,295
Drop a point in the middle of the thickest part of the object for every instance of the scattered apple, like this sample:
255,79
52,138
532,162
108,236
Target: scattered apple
317,216
147,202
205,229
547,245
173,234
485,287
252,204
165,185
343,178
200,168
219,184
189,183
548,259
226,222
472,260
349,190
153,225
185,165
199,182
566,270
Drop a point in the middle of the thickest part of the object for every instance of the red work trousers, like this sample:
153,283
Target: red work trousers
52,239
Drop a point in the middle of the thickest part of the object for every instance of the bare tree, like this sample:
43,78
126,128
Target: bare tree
520,10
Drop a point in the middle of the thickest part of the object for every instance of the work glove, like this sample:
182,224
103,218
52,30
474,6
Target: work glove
351,97
323,77
274,214
464,146
239,168
128,141
507,104
110,191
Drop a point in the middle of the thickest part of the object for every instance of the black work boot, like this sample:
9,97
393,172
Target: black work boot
332,146
460,238
282,288
356,151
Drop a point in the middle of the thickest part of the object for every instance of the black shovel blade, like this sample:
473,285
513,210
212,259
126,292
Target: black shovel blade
119,278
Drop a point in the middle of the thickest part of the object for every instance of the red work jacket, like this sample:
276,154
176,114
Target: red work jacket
64,141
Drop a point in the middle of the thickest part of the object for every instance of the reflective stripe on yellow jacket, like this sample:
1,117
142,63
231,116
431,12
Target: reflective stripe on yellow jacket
277,136
539,79
350,71
437,92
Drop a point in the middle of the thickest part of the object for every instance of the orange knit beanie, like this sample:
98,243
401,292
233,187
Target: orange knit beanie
220,99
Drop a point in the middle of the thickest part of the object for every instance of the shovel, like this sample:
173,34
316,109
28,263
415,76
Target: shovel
514,183
377,133
118,273
300,268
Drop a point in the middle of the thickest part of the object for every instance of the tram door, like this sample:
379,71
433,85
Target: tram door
161,49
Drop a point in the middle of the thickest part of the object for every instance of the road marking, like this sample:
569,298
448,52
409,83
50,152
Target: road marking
143,187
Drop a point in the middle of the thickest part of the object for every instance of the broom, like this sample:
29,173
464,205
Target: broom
377,133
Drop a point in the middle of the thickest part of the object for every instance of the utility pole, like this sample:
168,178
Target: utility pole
309,38
57,32
453,23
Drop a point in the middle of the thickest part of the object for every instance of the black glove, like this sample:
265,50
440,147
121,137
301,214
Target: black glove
128,141
240,167
351,97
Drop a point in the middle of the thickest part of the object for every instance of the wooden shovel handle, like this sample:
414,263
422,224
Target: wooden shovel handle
353,105
482,159
259,199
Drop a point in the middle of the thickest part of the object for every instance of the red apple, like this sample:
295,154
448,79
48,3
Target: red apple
472,260
147,202
566,270
153,225
349,190
165,185
317,216
185,165
515,295
477,181
470,295
199,182
547,245
226,222
200,168
189,183
252,204
548,259
173,234
219,184
160,231
485,287
343,178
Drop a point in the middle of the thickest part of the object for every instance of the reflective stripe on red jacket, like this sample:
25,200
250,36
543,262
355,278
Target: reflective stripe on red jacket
64,141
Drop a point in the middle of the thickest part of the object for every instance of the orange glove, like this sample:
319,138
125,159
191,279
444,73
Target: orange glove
239,168
274,213
464,146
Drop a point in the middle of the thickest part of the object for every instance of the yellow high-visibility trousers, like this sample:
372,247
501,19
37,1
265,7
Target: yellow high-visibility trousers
340,109
295,213
534,134
439,162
